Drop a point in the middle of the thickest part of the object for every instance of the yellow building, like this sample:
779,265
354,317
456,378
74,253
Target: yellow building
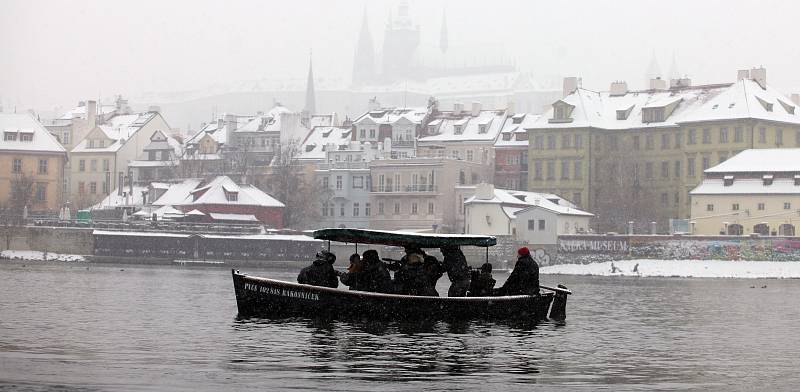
31,165
635,155
756,191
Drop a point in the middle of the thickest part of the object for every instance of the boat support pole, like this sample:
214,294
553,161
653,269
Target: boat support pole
329,245
487,254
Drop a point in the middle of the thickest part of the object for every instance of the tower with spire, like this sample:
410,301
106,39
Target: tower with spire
310,107
443,43
364,60
653,70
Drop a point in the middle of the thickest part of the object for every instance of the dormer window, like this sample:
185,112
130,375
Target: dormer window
231,196
562,112
9,136
789,108
767,179
767,105
652,115
91,143
100,143
482,128
797,179
458,129
507,136
25,136
522,136
622,114
727,180
431,129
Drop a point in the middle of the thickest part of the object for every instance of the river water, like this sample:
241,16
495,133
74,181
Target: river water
78,326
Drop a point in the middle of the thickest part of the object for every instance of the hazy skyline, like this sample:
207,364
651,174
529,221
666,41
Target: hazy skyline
57,53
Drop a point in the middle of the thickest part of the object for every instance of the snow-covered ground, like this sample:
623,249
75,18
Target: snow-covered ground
38,256
683,268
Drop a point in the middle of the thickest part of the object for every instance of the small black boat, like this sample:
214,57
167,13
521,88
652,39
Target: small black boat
270,298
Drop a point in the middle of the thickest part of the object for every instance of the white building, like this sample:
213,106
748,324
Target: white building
507,213
401,126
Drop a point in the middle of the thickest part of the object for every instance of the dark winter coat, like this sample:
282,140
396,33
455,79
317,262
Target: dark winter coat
455,264
524,279
481,284
320,273
375,278
354,280
412,279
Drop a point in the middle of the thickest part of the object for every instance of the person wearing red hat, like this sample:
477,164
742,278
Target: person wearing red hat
524,279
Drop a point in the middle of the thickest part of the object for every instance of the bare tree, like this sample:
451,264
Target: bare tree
620,197
288,182
11,213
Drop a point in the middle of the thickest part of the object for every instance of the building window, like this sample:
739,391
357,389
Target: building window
458,129
355,209
723,135
551,170
541,224
636,144
367,209
538,142
613,143
706,163
532,224
778,137
576,198
664,199
41,192
9,136
649,142
338,182
358,182
648,170
66,137
664,141
735,207
706,136
565,170
232,196
565,139
692,137
93,165
413,208
43,166
738,135
105,165
762,135
105,188
664,169
722,157
93,187
677,198
372,134
16,166
709,207
678,140
380,208
470,155
326,183
677,169
551,142
787,206
430,209
761,206
362,133
324,208
578,170
578,141
26,137
397,208
81,188
537,170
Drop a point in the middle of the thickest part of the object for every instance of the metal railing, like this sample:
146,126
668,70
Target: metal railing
405,188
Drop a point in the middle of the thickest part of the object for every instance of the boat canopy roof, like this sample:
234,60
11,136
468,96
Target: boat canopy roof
404,239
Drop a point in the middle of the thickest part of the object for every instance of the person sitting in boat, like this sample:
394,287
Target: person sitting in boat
433,268
482,283
375,277
457,269
395,265
354,275
411,278
320,272
524,279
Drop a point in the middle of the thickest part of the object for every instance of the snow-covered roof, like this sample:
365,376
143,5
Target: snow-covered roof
233,217
316,143
113,200
217,131
24,126
392,115
514,133
513,202
80,111
177,193
159,142
118,129
744,99
766,160
465,127
746,186
195,192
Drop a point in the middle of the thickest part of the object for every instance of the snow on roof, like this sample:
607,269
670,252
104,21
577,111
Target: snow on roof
195,212
118,129
217,132
514,133
746,186
233,217
19,126
215,192
80,112
177,193
114,200
766,160
392,115
456,128
524,200
316,143
740,100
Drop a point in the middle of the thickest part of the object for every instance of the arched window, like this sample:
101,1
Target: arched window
761,228
786,229
735,229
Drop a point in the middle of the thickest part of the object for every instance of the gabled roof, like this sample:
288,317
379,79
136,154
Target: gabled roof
118,129
765,160
513,202
392,115
746,186
514,129
492,120
214,192
42,140
316,144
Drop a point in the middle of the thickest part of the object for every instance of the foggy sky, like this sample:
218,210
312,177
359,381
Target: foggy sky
56,53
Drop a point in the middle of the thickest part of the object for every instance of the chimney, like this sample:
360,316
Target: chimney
458,107
571,83
742,74
476,109
230,122
658,84
91,114
618,88
220,123
759,75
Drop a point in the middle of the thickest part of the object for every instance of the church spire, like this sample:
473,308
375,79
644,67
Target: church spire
364,60
311,106
653,70
674,72
443,43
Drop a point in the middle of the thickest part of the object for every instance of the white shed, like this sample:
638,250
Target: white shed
542,224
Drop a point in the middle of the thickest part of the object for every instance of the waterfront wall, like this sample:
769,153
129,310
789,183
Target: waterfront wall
68,240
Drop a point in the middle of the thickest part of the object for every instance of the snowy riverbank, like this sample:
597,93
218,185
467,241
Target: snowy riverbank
34,255
683,268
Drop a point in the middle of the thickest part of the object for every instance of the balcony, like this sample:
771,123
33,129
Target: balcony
406,189
343,165
402,143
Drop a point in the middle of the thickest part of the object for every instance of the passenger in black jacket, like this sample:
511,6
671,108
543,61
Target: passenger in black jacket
375,277
482,283
524,279
320,272
457,269
354,276
412,279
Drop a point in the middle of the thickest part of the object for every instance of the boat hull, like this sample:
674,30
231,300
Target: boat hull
270,298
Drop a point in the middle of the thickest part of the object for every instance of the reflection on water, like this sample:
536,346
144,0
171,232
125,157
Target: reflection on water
79,327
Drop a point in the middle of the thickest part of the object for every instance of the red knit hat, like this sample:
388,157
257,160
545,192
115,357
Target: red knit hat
523,251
